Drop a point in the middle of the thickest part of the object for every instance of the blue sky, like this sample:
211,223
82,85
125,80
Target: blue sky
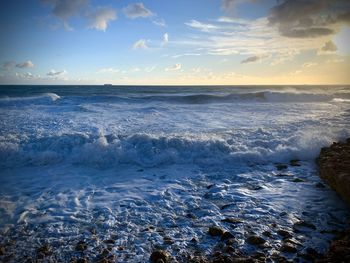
174,42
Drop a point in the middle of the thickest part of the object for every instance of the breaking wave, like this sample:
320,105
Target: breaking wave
150,150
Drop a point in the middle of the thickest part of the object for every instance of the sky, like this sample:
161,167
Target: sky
175,42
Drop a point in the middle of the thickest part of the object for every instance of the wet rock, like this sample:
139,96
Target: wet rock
168,240
159,256
215,231
2,250
260,256
303,223
294,162
281,166
210,186
226,235
267,233
229,249
44,250
288,248
282,175
334,168
190,215
284,233
320,185
82,260
255,240
226,206
194,240
339,251
298,180
81,246
232,220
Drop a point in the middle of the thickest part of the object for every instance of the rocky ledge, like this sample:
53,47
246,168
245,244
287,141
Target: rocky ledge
334,168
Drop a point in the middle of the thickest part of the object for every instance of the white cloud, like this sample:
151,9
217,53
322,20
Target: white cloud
140,44
26,75
185,54
100,18
159,22
65,9
8,65
108,70
309,64
165,39
54,73
150,69
201,26
26,64
137,10
175,67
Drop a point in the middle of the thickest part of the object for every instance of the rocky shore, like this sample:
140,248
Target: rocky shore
334,169
276,242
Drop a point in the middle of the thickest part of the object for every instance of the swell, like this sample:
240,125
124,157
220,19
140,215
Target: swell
37,99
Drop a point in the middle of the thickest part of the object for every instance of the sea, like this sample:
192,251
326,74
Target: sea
125,170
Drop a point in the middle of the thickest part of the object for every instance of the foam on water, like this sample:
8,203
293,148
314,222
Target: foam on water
138,164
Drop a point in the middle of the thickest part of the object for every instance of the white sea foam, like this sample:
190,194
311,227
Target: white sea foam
139,164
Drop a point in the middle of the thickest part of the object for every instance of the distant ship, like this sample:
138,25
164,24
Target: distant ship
107,84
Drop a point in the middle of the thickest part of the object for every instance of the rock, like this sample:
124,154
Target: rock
255,240
267,233
159,256
2,250
82,260
284,233
168,240
334,168
303,223
298,180
210,186
232,220
81,246
226,235
339,251
44,250
225,206
320,185
294,162
215,231
281,166
288,247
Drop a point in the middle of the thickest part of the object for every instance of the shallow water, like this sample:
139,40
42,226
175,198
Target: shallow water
137,164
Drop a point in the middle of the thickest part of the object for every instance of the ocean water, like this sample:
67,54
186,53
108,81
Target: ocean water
144,165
